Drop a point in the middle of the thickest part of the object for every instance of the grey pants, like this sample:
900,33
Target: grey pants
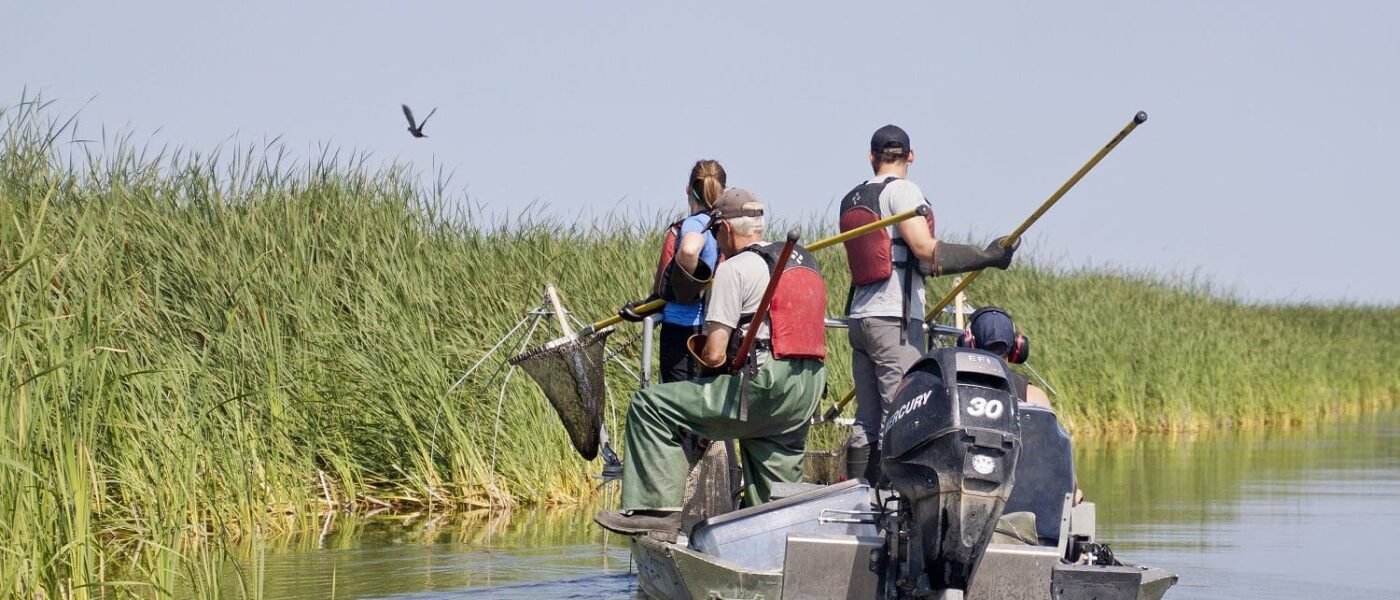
878,362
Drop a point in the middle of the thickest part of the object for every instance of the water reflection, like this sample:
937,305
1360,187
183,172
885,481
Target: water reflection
1308,513
500,555
1299,514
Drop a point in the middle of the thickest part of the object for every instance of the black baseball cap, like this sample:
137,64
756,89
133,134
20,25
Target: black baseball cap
993,329
889,139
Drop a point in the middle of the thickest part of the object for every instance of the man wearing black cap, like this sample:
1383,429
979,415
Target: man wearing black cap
770,421
886,304
990,328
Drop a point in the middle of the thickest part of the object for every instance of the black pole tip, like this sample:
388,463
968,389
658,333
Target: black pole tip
922,210
793,236
1140,117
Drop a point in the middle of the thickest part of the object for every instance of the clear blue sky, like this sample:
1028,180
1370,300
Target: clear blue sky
1270,164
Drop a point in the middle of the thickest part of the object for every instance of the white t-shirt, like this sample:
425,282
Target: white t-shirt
885,299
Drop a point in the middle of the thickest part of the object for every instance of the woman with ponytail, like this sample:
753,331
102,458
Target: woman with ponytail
695,256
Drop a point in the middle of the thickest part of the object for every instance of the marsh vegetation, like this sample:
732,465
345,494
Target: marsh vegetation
215,346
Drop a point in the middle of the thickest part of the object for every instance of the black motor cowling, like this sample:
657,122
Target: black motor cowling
949,449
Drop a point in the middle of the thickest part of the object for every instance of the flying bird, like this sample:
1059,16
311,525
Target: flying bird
415,127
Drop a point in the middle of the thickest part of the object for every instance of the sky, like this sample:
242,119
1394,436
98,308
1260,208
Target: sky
1269,166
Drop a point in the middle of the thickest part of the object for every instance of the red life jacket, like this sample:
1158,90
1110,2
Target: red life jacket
871,256
797,312
671,243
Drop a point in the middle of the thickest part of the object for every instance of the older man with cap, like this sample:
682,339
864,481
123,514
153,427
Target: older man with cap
767,406
885,307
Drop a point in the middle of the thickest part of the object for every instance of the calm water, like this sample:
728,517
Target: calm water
1303,514
1306,514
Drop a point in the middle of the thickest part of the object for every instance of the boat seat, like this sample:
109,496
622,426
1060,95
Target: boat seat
1044,472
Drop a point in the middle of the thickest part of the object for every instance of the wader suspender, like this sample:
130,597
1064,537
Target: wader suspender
909,264
750,369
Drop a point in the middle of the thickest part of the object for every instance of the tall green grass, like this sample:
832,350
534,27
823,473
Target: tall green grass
208,346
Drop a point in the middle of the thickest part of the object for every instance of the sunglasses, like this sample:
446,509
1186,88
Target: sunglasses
716,220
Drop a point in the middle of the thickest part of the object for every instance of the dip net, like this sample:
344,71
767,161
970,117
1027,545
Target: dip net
570,372
825,458
709,490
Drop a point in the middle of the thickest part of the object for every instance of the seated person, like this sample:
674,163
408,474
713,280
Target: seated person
991,329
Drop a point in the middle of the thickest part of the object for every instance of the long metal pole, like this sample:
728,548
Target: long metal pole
648,326
1011,240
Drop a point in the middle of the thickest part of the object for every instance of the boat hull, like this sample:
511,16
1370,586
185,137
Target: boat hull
668,571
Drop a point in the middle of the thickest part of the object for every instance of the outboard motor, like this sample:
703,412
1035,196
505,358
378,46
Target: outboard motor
949,449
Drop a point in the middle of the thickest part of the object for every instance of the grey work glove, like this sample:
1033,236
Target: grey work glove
686,287
963,258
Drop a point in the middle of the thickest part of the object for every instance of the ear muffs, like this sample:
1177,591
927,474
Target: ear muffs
1021,351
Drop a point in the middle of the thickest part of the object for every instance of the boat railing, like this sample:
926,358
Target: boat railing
870,517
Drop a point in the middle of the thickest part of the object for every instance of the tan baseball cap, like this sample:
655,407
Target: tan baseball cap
731,204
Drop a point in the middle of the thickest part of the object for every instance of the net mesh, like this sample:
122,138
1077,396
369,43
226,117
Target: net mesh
825,460
708,490
570,372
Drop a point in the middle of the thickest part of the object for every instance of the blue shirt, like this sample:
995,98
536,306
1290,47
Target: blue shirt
693,314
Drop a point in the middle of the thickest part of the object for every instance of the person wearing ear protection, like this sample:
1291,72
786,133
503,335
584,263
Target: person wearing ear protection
991,329
767,407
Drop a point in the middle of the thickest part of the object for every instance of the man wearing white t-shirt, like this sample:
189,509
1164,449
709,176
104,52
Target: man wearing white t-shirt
886,307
